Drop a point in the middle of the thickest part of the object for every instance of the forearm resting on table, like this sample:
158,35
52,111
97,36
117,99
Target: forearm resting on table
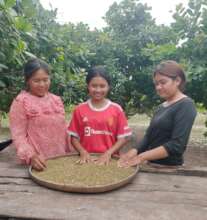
154,154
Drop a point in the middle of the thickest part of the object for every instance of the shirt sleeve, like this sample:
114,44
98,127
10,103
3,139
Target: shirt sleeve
123,130
183,123
18,127
74,128
60,106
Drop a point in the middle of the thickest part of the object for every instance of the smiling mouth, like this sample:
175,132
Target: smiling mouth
98,94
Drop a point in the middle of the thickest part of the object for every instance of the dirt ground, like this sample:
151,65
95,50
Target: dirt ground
195,155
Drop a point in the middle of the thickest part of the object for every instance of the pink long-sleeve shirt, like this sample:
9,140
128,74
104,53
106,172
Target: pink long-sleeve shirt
38,126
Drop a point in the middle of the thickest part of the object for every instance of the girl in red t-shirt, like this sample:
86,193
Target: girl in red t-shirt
98,125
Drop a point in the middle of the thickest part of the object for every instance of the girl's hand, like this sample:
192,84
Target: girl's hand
125,158
84,158
38,163
104,159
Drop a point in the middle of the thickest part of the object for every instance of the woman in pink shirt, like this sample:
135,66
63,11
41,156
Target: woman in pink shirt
37,118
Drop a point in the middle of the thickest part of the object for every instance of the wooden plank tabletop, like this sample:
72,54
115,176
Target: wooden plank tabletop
151,196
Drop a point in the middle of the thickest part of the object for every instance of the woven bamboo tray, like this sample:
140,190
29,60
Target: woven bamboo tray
81,189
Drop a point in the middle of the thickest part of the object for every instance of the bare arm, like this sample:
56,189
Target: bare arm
154,154
132,160
84,155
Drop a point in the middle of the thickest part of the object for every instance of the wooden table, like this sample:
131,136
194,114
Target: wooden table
151,197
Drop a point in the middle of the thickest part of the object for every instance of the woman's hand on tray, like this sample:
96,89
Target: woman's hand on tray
127,159
38,162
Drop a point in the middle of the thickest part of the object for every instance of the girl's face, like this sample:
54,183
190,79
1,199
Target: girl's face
39,83
165,86
98,88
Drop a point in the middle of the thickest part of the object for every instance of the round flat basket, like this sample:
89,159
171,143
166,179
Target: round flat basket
65,174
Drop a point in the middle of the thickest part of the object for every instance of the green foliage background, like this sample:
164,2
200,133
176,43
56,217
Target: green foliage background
129,46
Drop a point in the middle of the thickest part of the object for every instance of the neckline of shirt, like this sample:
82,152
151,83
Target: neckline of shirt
46,96
98,109
185,97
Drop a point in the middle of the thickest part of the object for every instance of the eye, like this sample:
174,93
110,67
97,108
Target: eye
161,82
103,86
46,80
36,80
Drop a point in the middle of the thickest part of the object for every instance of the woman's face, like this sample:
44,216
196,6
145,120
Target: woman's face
165,86
98,88
39,83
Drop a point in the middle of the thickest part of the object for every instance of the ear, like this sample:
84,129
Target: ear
178,80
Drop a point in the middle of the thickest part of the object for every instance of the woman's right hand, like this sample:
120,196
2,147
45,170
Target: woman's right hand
125,158
84,157
38,163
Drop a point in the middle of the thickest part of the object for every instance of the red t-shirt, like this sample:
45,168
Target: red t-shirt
98,129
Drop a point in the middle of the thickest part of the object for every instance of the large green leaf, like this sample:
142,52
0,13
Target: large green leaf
31,55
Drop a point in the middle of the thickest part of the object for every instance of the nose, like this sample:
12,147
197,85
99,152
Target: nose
158,87
41,84
98,89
